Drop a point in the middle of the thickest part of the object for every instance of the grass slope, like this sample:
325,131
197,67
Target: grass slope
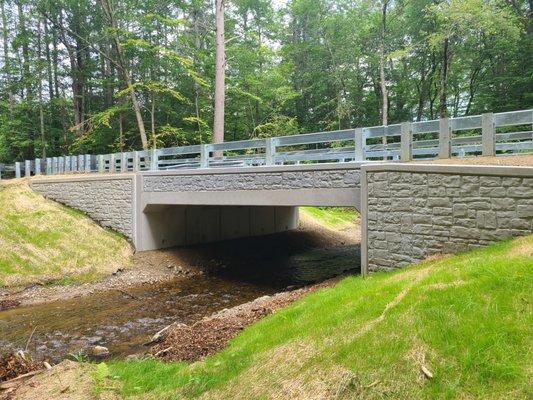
466,318
41,240
332,217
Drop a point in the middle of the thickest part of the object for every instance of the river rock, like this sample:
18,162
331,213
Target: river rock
99,351
163,333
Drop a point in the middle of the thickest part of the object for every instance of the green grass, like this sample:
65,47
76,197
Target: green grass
43,241
332,217
466,318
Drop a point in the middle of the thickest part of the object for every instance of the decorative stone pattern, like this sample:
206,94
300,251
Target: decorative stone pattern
412,215
341,178
108,201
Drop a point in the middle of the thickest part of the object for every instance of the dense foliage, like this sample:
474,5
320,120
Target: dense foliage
72,71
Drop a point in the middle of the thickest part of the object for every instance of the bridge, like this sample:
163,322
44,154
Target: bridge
157,209
162,198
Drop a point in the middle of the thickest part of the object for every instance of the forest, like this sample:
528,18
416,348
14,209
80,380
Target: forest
100,76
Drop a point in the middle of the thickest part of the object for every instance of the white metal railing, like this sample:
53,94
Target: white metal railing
488,134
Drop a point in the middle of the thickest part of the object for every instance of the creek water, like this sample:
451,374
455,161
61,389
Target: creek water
236,272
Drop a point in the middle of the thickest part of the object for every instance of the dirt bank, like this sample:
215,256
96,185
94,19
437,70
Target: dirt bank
181,342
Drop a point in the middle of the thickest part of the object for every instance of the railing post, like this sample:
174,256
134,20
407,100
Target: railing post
101,163
488,132
67,164
112,163
270,151
136,162
204,156
359,144
153,160
406,144
445,133
48,166
87,163
37,166
27,168
123,162
17,169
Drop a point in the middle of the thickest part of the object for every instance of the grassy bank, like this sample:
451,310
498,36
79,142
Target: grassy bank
452,327
42,241
332,217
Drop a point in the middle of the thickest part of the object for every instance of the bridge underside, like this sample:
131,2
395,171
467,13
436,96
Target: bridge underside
169,219
163,226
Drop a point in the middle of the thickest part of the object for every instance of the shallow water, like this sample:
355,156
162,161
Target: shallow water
124,320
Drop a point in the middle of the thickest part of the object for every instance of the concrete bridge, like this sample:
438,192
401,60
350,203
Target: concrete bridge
168,208
408,211
186,195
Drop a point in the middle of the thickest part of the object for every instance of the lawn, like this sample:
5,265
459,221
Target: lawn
43,241
450,327
332,217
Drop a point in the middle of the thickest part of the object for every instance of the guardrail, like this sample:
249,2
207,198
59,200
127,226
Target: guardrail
488,134
7,169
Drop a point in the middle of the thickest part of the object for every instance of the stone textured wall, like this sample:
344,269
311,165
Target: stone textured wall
412,215
108,201
341,178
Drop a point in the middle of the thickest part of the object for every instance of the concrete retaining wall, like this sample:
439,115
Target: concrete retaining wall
411,211
110,200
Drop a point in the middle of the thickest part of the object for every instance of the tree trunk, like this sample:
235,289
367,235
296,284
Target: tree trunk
197,45
26,76
7,64
218,124
48,60
55,61
121,64
40,86
152,115
444,78
121,130
382,60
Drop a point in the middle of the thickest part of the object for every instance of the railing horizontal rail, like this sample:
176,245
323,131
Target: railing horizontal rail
461,136
312,138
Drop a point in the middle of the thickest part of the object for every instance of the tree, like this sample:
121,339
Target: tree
120,62
220,66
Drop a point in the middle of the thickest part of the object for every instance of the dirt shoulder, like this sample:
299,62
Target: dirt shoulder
525,160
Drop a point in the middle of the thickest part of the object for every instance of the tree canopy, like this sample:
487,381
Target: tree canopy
90,76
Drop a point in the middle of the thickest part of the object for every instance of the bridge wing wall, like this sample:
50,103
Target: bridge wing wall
109,199
411,211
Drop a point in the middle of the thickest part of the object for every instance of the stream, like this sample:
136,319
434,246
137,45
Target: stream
123,320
